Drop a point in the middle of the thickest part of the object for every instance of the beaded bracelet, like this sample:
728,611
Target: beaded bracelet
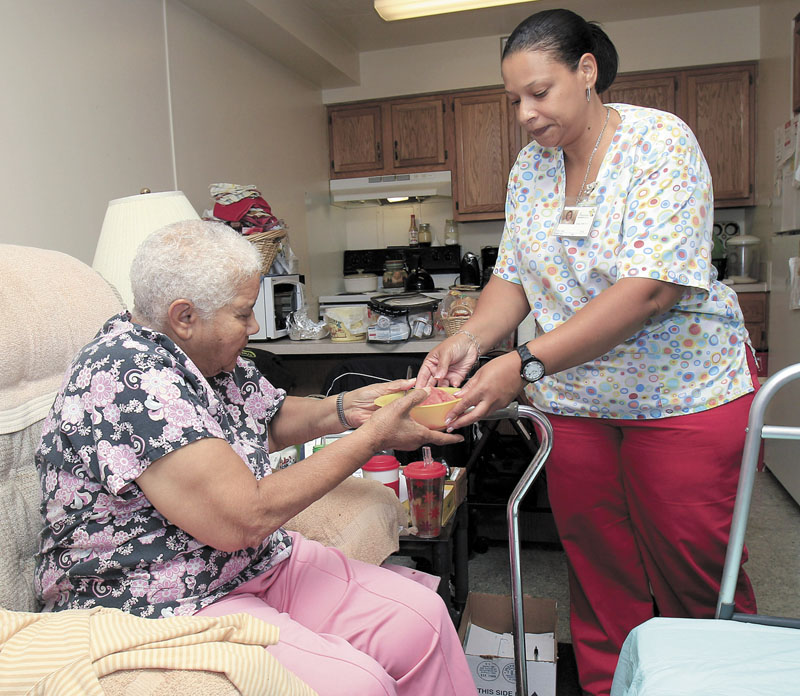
340,411
473,339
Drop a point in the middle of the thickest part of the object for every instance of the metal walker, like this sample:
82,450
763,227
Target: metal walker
545,435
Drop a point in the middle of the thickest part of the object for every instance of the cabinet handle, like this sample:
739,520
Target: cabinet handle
395,151
378,147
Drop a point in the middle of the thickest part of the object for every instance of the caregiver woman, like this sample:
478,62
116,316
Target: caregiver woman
641,357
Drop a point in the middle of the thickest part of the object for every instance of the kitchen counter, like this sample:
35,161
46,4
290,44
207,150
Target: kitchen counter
747,287
310,362
325,346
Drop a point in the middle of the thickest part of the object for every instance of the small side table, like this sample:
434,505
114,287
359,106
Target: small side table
448,555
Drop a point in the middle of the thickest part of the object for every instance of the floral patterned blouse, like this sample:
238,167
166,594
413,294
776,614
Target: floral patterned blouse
653,219
130,397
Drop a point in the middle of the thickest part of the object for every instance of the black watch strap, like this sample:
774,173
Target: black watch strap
532,369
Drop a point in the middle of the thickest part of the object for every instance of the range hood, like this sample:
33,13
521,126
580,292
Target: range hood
392,188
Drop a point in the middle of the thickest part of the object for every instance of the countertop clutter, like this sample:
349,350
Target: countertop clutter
326,346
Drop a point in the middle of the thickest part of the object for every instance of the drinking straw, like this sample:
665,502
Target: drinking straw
427,459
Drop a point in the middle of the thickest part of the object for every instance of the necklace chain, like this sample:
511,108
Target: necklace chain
583,192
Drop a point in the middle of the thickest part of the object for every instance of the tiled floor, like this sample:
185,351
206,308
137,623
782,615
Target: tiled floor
773,540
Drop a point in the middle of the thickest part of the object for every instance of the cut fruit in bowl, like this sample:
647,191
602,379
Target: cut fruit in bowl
432,412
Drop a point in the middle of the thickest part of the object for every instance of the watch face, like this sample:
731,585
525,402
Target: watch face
534,370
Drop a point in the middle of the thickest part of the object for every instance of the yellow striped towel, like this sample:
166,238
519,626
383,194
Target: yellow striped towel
67,652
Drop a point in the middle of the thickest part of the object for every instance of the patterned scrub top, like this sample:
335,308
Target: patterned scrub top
654,219
130,397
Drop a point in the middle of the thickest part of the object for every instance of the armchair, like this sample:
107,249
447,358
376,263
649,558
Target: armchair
50,305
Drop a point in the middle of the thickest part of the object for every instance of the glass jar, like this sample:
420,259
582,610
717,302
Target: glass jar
424,234
450,232
394,273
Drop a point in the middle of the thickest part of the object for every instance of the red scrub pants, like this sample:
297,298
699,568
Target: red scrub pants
643,509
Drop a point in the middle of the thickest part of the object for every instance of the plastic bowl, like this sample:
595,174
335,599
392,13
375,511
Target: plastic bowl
431,416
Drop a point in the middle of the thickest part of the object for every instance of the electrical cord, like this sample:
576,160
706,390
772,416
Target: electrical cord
355,374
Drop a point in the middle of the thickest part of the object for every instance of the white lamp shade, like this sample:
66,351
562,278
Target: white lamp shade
127,223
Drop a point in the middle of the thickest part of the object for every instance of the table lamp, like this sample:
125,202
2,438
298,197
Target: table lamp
126,224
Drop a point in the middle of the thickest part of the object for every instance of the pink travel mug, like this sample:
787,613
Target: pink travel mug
425,495
384,468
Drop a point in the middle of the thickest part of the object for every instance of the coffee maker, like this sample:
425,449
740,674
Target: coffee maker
488,259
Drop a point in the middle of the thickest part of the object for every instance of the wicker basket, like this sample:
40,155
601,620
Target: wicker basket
453,324
268,243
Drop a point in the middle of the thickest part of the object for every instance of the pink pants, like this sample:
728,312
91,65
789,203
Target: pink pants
643,509
347,627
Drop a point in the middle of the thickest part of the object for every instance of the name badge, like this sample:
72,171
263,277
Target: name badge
577,221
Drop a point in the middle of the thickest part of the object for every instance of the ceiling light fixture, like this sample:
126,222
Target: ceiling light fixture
391,10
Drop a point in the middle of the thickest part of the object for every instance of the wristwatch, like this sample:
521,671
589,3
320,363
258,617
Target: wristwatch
532,368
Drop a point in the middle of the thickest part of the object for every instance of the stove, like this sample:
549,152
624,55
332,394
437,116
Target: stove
445,260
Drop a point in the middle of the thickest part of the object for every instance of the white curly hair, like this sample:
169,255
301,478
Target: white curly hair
204,262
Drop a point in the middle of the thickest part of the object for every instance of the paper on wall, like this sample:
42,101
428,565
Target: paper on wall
795,135
794,282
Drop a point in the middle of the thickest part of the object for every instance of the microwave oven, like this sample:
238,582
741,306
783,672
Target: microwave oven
278,296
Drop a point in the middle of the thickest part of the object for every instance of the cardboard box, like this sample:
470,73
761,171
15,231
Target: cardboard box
455,491
486,634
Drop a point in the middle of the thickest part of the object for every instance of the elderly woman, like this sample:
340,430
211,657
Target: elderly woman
158,497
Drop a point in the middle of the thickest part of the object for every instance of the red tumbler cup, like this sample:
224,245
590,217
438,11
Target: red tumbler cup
384,468
425,486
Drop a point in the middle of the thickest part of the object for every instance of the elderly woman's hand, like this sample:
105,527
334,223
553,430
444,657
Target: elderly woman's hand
393,427
359,404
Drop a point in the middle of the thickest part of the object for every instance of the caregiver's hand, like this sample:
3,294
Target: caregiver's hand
492,387
449,363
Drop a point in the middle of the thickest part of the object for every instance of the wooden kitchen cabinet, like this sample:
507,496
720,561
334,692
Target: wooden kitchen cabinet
417,132
754,308
656,91
720,109
355,137
388,136
718,103
483,154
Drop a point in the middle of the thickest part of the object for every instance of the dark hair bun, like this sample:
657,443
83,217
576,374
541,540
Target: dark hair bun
567,36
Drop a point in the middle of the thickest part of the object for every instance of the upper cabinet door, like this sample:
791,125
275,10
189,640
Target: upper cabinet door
355,135
720,111
482,129
657,92
417,133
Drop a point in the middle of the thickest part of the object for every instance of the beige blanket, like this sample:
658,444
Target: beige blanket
361,518
66,653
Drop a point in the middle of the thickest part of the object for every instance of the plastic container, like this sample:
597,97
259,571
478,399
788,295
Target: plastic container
384,468
425,485
347,324
395,318
432,415
742,259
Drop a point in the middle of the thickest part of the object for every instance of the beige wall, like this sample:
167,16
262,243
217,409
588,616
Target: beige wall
667,42
86,117
774,101
241,117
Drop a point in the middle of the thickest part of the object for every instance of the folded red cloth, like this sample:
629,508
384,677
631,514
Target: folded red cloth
236,211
